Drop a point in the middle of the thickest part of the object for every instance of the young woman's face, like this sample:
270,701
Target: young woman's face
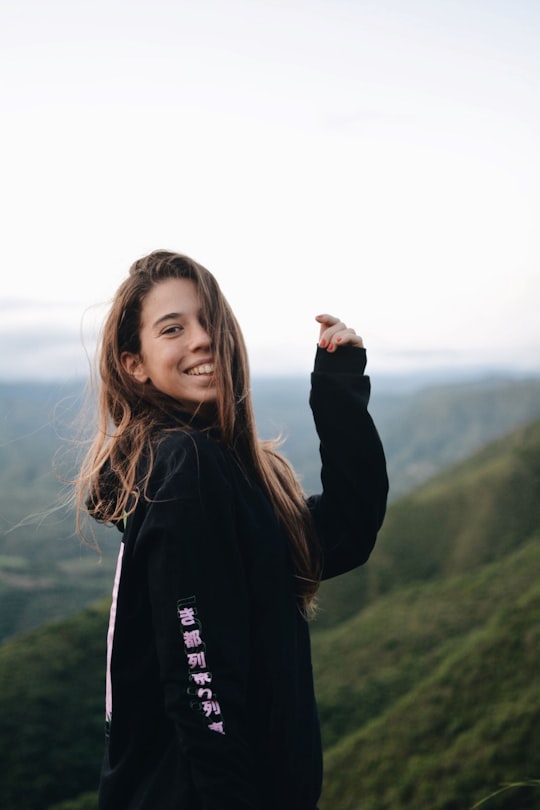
176,354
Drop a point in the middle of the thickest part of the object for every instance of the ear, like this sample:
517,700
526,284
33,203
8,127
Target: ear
134,366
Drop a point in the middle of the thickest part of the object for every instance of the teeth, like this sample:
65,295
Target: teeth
206,368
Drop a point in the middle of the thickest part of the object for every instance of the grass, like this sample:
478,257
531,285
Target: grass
472,719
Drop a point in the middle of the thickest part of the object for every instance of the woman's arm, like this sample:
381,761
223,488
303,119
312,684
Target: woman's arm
350,511
200,615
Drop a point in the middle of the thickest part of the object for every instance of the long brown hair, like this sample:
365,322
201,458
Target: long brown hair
131,413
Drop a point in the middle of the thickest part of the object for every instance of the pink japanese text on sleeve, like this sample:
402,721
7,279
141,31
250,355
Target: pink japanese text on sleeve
204,698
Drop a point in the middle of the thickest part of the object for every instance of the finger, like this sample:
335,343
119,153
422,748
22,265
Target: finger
344,337
326,321
334,333
329,333
348,338
326,318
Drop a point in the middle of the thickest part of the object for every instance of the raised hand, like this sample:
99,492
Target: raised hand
334,333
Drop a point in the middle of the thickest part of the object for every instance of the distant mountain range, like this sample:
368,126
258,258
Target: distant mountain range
47,572
426,660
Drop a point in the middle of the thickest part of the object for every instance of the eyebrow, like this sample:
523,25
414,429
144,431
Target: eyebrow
170,316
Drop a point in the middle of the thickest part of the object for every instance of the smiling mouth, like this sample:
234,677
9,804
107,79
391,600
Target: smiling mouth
197,371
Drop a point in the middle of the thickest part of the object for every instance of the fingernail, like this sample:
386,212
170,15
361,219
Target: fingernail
322,343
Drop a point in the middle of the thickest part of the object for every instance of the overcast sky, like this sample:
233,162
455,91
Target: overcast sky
375,159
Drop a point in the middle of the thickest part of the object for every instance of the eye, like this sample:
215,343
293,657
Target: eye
175,329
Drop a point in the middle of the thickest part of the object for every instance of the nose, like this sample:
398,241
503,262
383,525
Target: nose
199,338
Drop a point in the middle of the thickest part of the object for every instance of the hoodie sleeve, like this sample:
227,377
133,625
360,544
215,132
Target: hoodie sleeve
350,511
200,615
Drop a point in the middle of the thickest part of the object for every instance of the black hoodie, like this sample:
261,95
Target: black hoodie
209,655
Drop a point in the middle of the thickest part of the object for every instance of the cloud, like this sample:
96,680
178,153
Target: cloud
44,353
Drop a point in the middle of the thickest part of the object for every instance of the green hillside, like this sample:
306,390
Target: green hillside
51,710
466,516
47,573
437,426
429,695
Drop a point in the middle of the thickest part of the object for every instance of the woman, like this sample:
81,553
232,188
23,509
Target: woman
210,699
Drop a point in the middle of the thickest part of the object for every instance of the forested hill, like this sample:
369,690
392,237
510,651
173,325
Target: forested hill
472,514
429,694
47,572
424,428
